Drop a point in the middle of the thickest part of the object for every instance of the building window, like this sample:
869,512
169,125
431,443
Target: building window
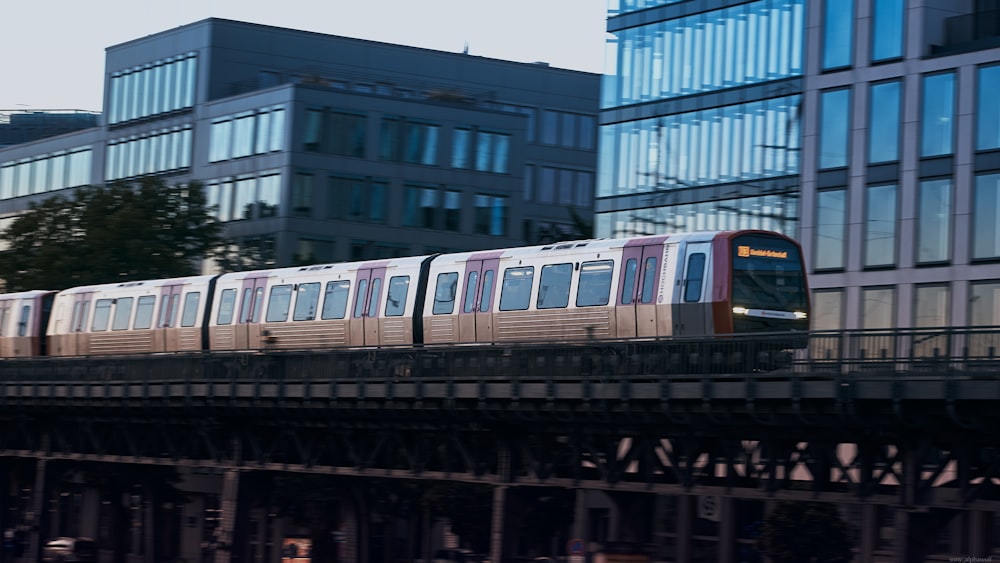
838,33
938,114
407,141
934,222
987,109
312,251
452,207
878,307
880,226
460,139
421,202
835,112
930,308
491,152
827,309
986,218
984,304
887,29
348,134
313,134
491,215
831,229
302,195
883,123
827,313
357,199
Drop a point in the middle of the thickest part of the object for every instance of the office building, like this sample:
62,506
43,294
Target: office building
317,148
867,129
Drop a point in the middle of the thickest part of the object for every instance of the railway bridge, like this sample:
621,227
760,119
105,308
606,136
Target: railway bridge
897,428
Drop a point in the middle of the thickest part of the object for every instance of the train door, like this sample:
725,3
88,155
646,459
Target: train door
365,312
475,319
693,305
638,286
247,331
164,337
75,339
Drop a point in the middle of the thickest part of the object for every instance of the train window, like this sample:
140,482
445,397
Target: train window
594,286
470,292
359,299
22,325
487,295
335,301
695,277
144,312
515,295
3,318
395,303
373,302
279,303
258,297
190,315
648,280
306,299
82,321
74,321
123,312
444,294
175,303
227,304
553,289
628,287
102,310
245,307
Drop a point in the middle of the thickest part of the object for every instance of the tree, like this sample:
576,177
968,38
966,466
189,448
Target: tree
105,234
803,532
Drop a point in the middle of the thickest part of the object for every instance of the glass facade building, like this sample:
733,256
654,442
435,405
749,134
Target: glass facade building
701,117
866,129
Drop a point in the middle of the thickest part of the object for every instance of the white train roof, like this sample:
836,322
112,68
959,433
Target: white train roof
145,284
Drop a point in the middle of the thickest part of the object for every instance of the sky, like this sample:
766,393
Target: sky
54,49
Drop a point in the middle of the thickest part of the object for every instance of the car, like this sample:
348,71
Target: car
69,550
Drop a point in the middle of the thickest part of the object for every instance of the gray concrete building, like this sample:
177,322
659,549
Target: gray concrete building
319,148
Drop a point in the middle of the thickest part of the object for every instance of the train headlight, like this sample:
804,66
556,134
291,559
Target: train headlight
740,310
801,315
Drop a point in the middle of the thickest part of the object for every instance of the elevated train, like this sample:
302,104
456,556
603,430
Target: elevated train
679,285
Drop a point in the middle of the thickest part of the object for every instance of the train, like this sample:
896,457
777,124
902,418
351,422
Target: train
698,284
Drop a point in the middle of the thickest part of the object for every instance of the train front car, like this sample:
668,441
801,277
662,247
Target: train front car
766,292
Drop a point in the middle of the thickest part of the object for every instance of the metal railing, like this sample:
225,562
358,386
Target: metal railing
938,352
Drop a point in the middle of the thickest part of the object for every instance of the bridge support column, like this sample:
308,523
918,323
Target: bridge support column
38,509
496,523
727,529
869,533
230,489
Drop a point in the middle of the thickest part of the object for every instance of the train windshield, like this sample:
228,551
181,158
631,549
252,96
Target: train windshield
767,274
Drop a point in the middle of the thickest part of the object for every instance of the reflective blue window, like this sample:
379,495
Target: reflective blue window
986,218
743,44
831,228
740,142
937,115
988,110
883,123
880,226
835,117
934,222
838,33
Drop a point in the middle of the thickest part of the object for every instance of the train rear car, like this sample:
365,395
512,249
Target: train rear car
131,317
23,318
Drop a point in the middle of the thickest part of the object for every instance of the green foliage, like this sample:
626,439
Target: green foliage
108,234
801,532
